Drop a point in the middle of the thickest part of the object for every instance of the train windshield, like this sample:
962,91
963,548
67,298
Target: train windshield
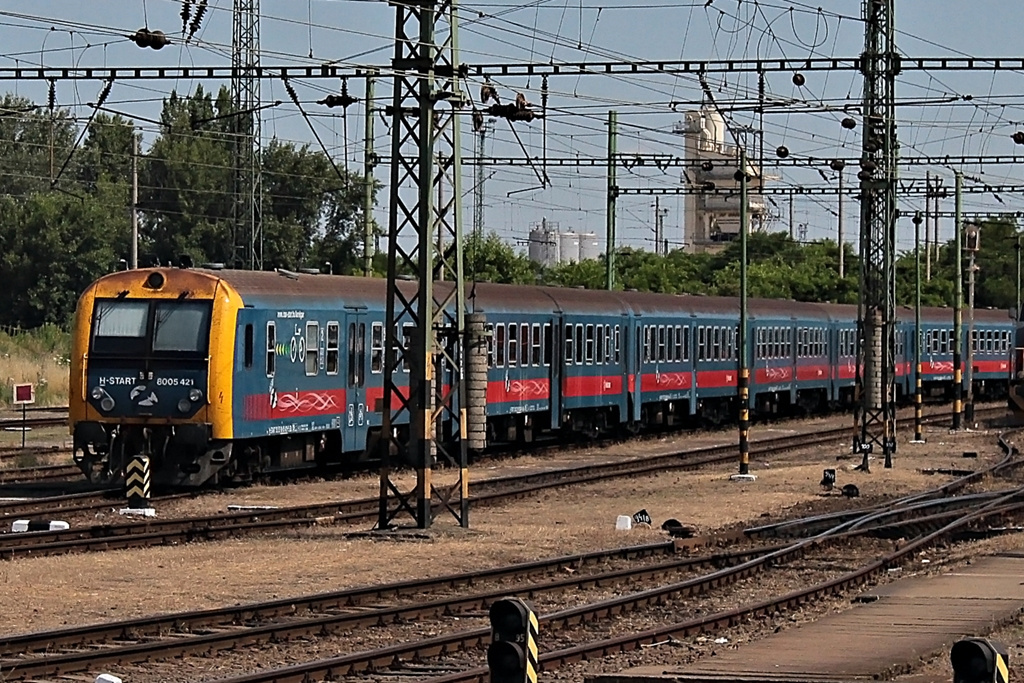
120,327
181,326
133,328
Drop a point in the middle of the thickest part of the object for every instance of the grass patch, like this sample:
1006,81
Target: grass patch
41,357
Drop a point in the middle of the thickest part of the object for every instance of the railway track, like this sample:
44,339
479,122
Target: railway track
39,473
927,517
485,492
34,422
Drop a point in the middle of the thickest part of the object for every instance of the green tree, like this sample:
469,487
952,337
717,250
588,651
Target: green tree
488,258
34,144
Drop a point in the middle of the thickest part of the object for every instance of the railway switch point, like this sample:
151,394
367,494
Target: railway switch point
743,477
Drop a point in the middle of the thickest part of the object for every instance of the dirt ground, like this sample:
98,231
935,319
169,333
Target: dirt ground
48,592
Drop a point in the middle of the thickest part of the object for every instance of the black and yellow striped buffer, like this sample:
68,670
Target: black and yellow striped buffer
512,656
137,481
977,660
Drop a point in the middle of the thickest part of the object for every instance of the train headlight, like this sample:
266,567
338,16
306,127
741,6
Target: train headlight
97,393
184,405
107,404
195,395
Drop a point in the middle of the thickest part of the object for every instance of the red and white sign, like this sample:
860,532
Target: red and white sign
24,394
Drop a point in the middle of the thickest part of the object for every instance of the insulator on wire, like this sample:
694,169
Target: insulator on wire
186,14
344,100
152,39
1018,138
798,79
104,93
848,123
197,19
51,96
291,91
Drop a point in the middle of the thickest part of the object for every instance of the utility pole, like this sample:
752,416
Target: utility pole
743,382
613,193
877,302
958,301
370,160
427,94
927,225
1016,312
838,165
918,398
935,221
660,243
792,220
479,178
973,233
245,96
133,261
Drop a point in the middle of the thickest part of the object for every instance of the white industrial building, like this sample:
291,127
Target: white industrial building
711,218
549,246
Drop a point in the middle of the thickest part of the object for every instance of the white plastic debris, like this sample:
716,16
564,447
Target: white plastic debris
107,678
250,508
623,523
721,641
21,525
137,512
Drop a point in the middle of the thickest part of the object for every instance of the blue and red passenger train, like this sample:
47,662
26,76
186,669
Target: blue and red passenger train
222,374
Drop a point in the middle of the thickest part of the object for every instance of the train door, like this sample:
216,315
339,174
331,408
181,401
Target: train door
635,368
554,345
354,422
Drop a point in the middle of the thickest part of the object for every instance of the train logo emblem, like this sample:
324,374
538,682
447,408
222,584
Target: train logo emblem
147,401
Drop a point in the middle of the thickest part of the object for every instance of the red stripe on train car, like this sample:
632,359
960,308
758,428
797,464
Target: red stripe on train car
711,379
847,369
991,366
773,375
811,373
665,381
375,398
288,404
500,391
592,385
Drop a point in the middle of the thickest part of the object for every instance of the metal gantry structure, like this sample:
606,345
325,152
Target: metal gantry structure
875,416
425,152
245,97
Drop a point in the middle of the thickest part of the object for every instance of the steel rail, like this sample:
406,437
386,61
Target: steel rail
78,661
488,491
750,559
359,662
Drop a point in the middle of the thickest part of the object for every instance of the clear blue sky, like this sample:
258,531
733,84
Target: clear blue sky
353,32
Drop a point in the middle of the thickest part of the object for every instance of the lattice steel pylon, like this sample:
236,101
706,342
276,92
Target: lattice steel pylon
876,353
245,96
428,414
486,127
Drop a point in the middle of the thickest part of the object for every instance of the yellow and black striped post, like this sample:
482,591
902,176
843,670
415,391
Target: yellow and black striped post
918,408
512,656
978,660
136,481
744,395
